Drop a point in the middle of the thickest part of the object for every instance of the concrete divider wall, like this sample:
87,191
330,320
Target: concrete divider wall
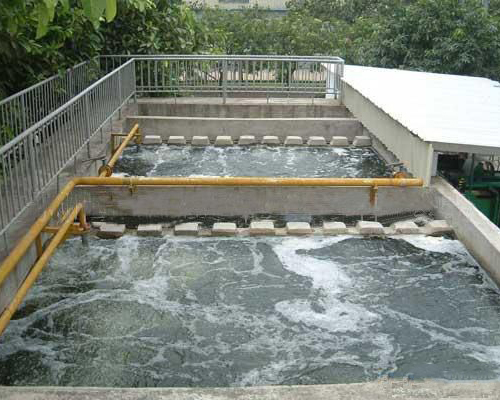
475,231
181,201
164,109
212,127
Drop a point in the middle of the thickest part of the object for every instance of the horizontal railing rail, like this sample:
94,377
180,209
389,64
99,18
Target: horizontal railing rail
30,162
229,75
27,107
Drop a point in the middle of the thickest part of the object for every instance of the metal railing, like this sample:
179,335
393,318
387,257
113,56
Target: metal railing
24,109
229,75
53,135
30,162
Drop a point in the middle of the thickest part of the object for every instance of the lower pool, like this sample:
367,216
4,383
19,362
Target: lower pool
140,312
163,160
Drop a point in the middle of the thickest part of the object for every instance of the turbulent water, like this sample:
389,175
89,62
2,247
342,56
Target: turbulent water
251,161
254,311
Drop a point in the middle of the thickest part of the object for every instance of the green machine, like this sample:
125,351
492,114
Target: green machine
476,178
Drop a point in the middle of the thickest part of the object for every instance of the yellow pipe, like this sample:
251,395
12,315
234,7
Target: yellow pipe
22,247
246,181
37,268
116,155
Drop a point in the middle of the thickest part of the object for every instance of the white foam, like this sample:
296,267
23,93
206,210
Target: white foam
327,276
439,244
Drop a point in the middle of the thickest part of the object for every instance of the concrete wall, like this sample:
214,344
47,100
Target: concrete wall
212,127
165,109
408,148
179,201
477,233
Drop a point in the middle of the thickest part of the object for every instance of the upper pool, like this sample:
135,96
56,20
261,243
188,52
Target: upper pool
280,161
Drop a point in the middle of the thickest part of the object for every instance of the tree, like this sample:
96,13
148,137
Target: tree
446,36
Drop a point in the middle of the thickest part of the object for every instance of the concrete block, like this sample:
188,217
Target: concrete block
152,139
223,141
362,141
316,141
293,141
111,231
176,140
298,228
370,228
188,228
270,140
224,229
149,230
200,141
405,228
334,228
262,228
438,227
97,224
340,141
246,140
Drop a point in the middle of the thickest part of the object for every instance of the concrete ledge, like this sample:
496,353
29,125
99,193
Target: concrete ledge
224,229
298,228
273,140
405,228
262,228
200,141
224,141
316,141
150,230
246,140
362,141
377,390
151,139
258,127
370,228
334,228
339,141
111,231
437,228
187,229
472,228
293,141
176,140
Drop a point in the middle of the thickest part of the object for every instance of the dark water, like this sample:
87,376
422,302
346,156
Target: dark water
254,311
251,161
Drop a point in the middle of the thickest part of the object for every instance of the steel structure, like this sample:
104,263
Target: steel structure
234,75
30,162
24,109
53,133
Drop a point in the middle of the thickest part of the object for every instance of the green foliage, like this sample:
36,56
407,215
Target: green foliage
168,27
343,10
446,36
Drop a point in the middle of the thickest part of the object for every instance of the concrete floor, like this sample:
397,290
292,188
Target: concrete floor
374,390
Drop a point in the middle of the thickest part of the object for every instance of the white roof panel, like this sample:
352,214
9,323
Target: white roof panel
443,109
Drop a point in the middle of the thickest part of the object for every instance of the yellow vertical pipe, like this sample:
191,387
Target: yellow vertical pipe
37,268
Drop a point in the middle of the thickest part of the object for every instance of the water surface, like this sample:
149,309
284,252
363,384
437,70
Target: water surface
163,160
254,311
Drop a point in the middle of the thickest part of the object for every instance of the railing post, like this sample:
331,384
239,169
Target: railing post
120,94
224,81
87,121
134,79
33,174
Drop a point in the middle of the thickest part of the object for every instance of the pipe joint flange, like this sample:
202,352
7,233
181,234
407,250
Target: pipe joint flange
106,169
